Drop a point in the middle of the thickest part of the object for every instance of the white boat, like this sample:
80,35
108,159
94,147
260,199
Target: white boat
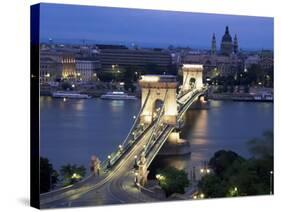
117,95
70,95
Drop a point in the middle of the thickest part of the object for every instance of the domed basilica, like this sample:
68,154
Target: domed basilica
228,46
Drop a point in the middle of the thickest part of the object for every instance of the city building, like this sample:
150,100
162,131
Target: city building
214,45
215,65
124,57
226,43
266,59
68,67
225,62
50,68
252,60
87,68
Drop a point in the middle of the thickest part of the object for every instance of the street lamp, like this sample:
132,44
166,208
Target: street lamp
109,163
120,147
136,178
136,162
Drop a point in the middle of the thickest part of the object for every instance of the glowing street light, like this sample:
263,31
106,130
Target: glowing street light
75,176
136,162
202,196
160,177
136,178
120,147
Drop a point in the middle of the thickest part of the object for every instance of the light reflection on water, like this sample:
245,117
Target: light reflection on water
73,130
225,125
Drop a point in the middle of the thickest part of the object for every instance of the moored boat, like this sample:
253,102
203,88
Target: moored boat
117,95
70,95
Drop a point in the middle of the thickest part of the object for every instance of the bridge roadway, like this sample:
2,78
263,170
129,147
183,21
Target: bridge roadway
116,186
164,130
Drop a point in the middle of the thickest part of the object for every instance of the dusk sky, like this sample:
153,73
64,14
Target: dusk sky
72,23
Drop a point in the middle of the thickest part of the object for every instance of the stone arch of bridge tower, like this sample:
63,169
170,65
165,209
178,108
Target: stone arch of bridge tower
192,82
192,73
157,105
160,88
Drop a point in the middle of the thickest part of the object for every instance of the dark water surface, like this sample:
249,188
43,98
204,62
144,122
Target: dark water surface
72,131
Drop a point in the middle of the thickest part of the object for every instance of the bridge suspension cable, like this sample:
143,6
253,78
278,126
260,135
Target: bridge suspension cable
114,156
155,126
136,119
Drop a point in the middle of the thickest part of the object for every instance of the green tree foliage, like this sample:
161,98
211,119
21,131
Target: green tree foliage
106,76
172,180
222,160
129,77
72,173
212,186
235,176
48,176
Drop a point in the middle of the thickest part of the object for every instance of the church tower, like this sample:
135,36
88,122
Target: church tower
214,45
226,43
235,45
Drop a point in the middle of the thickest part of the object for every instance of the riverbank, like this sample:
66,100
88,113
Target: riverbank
239,97
91,92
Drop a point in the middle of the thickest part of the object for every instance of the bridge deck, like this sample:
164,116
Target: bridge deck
123,164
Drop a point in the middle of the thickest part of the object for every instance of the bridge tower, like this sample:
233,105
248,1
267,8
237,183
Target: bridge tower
142,171
192,76
162,92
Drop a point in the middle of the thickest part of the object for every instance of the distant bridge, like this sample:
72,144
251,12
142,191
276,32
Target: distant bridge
162,109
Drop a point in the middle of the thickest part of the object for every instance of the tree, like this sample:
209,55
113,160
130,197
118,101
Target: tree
48,176
222,160
236,176
105,76
172,180
212,186
72,173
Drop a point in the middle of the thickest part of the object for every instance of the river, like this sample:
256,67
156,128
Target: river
74,130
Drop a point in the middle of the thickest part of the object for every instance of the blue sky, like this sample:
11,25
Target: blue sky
73,23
